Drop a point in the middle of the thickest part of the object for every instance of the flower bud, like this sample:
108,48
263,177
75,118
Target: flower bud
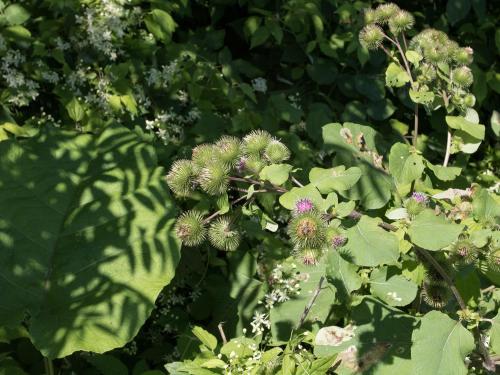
256,142
204,155
463,56
435,293
416,203
401,21
181,178
371,36
190,228
276,152
435,54
254,164
309,256
370,16
214,178
469,100
223,235
427,73
307,230
385,12
464,251
493,259
303,205
462,76
228,149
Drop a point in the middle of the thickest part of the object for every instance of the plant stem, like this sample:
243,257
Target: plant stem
448,150
222,334
311,302
297,182
49,366
415,126
444,275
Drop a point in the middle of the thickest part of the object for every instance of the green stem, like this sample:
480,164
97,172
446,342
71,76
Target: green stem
49,366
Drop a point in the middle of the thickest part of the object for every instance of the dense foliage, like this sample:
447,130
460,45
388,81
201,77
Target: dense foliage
249,187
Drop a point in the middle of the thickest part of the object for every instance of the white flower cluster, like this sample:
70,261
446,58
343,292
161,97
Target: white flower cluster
242,365
295,101
259,85
260,323
22,89
163,76
168,126
104,24
284,284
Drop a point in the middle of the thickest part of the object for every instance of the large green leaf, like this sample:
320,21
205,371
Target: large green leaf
360,146
461,123
286,316
394,290
404,164
369,245
382,338
440,346
334,179
433,232
343,275
85,238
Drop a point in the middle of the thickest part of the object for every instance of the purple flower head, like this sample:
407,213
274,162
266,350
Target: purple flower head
241,165
419,197
304,205
338,241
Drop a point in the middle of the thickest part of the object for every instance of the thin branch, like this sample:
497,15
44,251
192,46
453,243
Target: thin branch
444,275
311,302
415,126
222,334
448,150
296,182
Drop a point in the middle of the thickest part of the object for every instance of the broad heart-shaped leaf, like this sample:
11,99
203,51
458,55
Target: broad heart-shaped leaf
382,337
343,275
85,238
276,173
406,166
286,315
290,198
440,346
334,179
360,146
444,173
433,232
395,76
471,128
369,245
495,334
422,97
395,290
485,207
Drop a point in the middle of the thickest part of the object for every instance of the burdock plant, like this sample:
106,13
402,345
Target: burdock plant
434,66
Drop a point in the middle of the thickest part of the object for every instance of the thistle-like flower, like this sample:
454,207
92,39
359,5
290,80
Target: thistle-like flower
308,256
462,76
464,251
204,155
214,178
307,230
385,12
276,152
435,293
181,178
463,56
338,241
223,235
254,164
416,203
371,36
190,228
401,21
493,259
228,149
370,16
256,142
303,205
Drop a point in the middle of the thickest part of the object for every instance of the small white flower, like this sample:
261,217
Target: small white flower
259,85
